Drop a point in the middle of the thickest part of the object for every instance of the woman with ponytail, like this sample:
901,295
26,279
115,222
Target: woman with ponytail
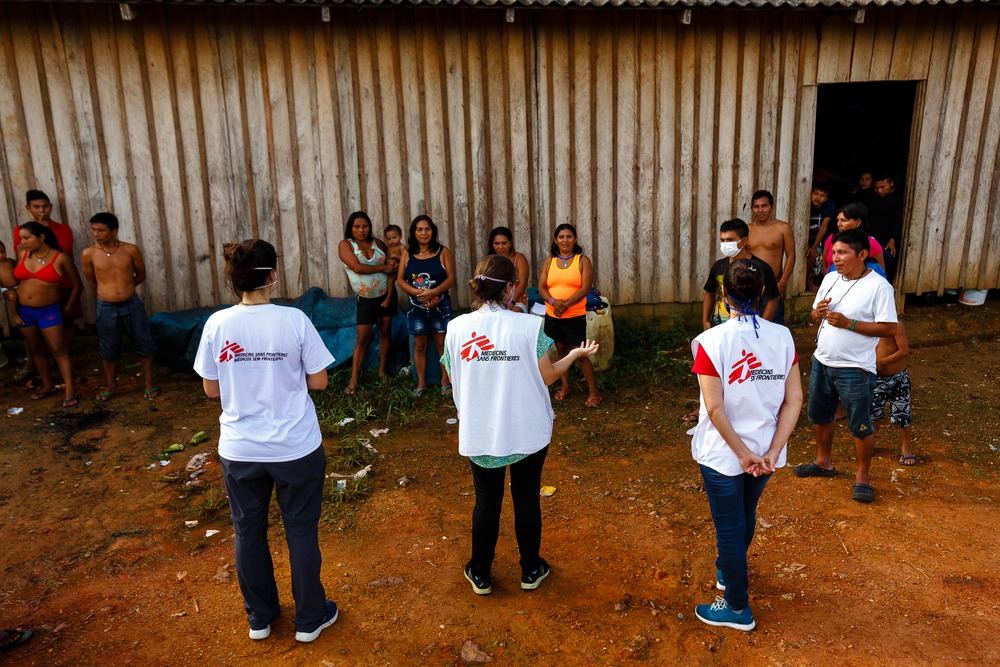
751,396
262,360
499,366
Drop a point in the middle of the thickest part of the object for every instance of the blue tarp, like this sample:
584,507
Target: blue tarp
178,333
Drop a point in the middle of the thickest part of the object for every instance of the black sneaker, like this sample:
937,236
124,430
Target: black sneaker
480,585
531,579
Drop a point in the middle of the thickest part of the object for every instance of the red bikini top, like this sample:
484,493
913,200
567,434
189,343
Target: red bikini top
47,273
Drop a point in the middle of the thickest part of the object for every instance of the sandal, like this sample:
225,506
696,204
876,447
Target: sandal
104,396
22,375
562,394
42,393
351,389
907,459
11,637
418,392
812,470
71,402
446,390
593,401
152,393
863,493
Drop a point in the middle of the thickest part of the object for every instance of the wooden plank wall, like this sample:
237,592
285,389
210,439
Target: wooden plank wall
204,125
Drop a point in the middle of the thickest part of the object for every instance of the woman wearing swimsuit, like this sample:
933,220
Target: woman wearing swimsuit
35,309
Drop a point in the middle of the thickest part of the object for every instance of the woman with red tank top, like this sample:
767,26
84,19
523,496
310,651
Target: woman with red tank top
565,280
35,309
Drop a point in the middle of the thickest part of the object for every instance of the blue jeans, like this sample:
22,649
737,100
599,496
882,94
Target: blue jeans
854,387
733,501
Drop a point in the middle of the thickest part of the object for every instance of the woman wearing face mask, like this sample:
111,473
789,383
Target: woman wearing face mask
734,244
854,216
502,243
262,360
751,396
499,368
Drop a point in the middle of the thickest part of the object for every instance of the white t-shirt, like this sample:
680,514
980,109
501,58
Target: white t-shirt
753,370
867,299
261,355
503,404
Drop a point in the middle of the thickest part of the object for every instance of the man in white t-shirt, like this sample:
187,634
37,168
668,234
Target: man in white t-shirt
854,307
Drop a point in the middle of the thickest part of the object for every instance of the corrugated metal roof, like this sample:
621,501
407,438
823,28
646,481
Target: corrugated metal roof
680,4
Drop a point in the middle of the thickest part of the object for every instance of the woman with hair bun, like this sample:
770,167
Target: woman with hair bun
500,368
262,359
751,396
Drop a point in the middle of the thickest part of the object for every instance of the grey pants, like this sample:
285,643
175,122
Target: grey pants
299,488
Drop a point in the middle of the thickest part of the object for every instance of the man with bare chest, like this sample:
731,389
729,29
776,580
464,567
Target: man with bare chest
114,269
772,241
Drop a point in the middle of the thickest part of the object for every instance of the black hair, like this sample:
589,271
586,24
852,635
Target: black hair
35,195
500,231
38,229
760,194
412,246
735,225
248,265
883,176
502,272
822,187
554,249
394,228
855,211
109,220
856,238
350,223
743,283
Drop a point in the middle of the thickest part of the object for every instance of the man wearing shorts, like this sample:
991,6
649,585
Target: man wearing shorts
114,269
854,308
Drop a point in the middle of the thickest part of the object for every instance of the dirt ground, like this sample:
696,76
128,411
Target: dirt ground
99,561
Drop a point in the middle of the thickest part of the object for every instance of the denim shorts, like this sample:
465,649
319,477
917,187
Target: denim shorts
42,317
117,318
425,321
854,387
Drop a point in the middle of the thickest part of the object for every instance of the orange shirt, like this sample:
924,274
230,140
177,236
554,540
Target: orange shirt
563,283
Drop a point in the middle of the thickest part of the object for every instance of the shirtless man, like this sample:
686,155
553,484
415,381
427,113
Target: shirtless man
773,241
114,269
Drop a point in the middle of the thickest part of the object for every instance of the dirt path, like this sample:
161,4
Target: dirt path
98,558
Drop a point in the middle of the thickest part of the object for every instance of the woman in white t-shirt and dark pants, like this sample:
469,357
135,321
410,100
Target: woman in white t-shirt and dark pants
751,396
499,367
262,360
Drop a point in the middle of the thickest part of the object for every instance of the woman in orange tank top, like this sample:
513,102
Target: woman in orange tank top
34,305
565,280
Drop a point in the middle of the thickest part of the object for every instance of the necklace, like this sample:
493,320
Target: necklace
566,260
101,246
853,281
41,260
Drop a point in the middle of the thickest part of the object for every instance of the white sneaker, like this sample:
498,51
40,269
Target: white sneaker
263,633
331,618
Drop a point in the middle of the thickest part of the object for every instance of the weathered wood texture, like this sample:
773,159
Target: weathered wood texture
204,125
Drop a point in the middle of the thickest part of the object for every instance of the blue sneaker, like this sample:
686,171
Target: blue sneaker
480,585
530,580
720,583
719,614
330,617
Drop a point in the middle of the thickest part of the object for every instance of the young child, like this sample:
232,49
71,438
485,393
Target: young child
394,243
821,211
893,385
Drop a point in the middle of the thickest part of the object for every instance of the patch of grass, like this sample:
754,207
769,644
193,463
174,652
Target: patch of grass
354,452
386,401
132,531
212,501
649,352
340,507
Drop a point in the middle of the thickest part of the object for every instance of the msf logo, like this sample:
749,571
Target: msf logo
471,349
743,368
229,351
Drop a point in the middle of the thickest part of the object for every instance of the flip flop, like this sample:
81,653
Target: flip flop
446,390
104,396
42,393
562,394
907,460
863,493
812,470
21,375
11,637
418,392
593,401
152,393
351,389
71,402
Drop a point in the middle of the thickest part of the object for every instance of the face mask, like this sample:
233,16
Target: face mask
729,248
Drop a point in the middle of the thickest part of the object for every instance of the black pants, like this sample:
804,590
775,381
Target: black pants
299,488
525,482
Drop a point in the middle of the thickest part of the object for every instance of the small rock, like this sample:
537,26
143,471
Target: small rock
788,596
472,654
404,481
386,582
659,574
624,603
347,588
680,616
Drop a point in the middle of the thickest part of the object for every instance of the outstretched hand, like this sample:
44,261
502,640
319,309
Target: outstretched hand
587,348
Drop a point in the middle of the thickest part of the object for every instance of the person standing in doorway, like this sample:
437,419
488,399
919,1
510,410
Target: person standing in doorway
774,242
885,218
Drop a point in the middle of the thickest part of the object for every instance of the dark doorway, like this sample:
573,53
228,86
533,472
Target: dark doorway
862,127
